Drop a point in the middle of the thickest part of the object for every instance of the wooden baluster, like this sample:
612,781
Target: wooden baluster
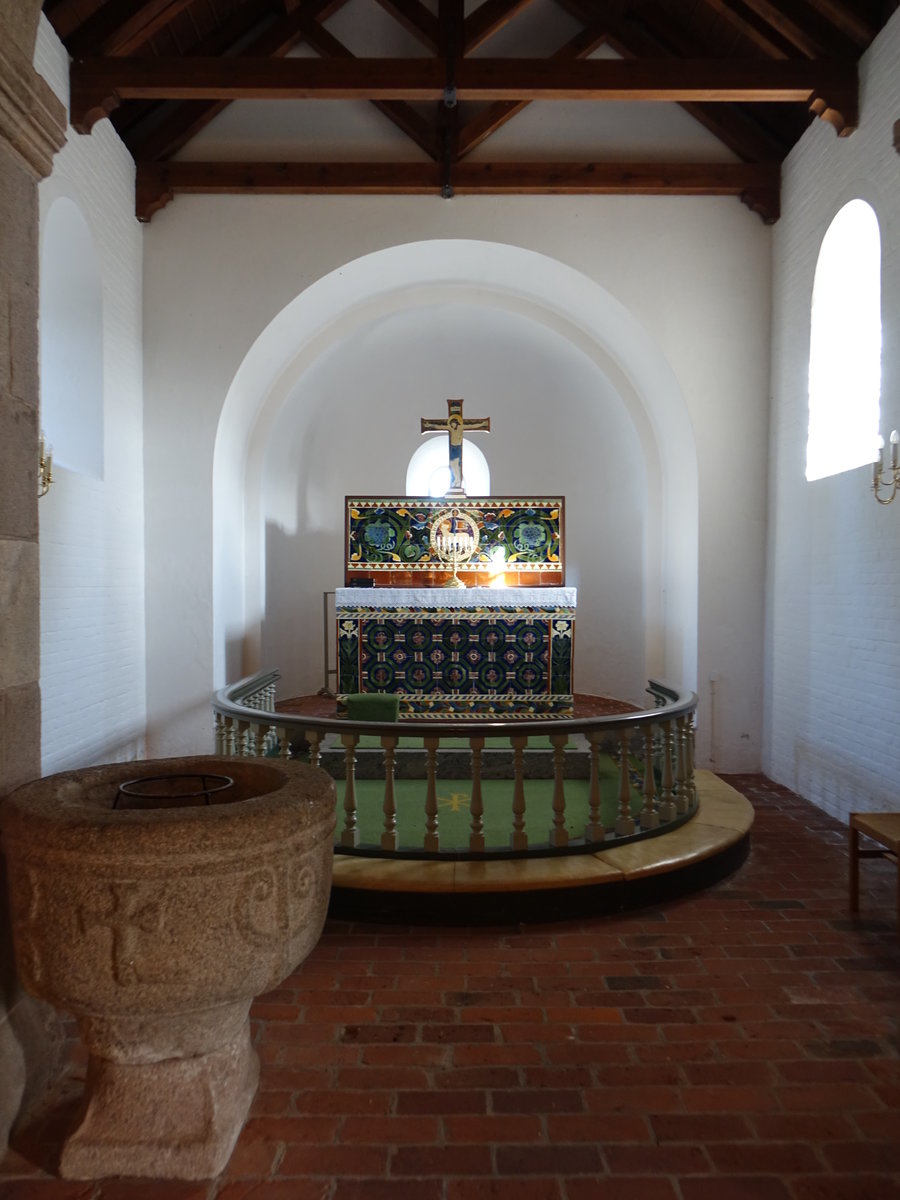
230,737
389,835
284,743
432,842
243,744
314,737
519,839
681,797
624,821
559,835
476,836
594,831
350,833
254,739
648,815
219,727
667,809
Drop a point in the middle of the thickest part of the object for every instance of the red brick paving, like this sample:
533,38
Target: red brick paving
737,1044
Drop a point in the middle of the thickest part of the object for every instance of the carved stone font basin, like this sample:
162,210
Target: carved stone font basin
156,927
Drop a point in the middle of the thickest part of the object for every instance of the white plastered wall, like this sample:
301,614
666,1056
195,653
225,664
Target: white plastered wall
833,604
93,687
691,274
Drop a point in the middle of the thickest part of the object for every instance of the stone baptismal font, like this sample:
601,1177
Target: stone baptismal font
155,922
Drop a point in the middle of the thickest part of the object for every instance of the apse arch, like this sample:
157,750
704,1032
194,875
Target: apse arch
510,278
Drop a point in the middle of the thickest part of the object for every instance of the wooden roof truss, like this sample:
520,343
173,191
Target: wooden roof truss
753,72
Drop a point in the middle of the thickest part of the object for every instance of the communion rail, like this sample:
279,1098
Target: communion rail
653,751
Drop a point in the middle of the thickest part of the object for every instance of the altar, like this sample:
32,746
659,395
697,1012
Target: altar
427,613
482,651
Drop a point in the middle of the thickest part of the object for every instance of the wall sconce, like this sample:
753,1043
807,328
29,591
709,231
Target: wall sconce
881,476
45,467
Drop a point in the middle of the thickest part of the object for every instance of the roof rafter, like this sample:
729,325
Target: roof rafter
123,27
732,125
397,111
479,128
417,20
489,17
242,25
848,19
751,25
177,128
804,29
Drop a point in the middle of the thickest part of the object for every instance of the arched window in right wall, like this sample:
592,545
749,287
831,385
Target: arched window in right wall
845,345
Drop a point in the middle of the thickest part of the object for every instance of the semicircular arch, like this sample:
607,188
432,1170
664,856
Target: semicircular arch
509,278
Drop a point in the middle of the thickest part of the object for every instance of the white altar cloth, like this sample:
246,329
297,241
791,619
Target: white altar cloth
470,597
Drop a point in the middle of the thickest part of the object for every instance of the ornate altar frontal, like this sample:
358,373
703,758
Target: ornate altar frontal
485,652
388,540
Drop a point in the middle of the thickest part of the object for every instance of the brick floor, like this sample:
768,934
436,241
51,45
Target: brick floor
736,1044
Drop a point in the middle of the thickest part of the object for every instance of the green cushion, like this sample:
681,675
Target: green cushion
372,706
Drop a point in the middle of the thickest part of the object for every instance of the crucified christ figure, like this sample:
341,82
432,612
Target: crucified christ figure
456,426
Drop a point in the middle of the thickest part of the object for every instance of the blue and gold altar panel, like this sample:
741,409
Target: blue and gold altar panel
388,540
459,661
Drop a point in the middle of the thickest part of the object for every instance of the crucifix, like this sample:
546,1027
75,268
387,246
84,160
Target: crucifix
456,426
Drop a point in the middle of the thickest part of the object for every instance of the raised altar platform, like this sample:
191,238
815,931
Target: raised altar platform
492,652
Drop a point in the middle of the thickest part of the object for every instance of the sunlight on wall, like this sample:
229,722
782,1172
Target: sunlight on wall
845,345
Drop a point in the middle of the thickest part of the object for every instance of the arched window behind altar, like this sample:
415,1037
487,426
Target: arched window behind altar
428,473
845,345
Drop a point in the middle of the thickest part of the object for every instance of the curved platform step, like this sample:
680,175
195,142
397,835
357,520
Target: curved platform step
705,849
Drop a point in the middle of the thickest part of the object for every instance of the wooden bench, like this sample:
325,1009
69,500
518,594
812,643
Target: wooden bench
883,828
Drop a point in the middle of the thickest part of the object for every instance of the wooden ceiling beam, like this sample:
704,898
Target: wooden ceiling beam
489,18
417,20
100,84
757,184
122,27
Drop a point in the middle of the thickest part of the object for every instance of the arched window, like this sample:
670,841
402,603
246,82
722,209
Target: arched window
71,338
845,345
428,473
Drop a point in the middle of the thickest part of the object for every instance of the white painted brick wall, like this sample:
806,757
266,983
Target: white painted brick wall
832,693
93,679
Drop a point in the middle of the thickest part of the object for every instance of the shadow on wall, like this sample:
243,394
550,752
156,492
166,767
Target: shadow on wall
842,784
294,607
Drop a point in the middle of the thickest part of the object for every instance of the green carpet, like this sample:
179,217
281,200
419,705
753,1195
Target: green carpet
454,813
373,742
